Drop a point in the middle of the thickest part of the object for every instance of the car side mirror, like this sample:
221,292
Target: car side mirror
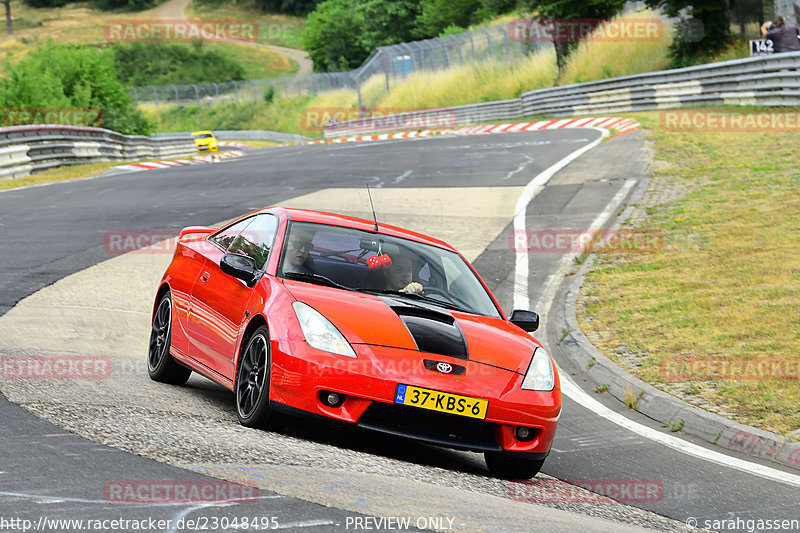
239,266
527,320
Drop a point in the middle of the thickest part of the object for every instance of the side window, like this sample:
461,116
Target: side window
256,239
224,238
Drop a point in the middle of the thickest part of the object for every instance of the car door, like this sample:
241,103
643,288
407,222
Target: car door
219,300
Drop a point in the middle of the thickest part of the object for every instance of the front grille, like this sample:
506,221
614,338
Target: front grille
452,431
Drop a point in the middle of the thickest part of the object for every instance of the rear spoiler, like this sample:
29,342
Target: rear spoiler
196,230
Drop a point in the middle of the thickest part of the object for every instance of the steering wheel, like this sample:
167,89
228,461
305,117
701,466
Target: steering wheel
447,296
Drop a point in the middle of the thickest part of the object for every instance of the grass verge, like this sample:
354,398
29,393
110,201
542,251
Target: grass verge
712,315
65,173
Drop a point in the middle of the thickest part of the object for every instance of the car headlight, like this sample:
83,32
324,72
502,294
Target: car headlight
213,144
320,333
540,375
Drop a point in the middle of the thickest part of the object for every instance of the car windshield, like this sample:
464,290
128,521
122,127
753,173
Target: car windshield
203,136
380,264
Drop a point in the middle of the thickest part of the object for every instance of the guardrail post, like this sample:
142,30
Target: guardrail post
472,45
505,42
488,41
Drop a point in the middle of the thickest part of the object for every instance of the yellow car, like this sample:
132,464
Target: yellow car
205,141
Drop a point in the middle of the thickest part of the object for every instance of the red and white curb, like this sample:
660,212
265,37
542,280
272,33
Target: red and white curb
235,144
152,165
621,125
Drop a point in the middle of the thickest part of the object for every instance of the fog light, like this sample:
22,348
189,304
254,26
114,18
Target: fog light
332,399
524,434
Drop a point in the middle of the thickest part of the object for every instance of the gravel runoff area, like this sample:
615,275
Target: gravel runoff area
92,313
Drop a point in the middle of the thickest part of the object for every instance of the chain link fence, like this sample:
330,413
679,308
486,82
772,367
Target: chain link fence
393,63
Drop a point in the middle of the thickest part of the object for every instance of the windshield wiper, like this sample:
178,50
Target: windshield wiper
422,297
315,278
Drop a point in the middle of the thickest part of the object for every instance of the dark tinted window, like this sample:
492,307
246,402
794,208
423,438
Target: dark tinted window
252,237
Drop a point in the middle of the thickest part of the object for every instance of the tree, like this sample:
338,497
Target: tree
332,36
59,76
699,38
9,28
436,15
387,22
565,10
289,7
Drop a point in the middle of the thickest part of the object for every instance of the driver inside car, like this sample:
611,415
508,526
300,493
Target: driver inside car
399,276
297,253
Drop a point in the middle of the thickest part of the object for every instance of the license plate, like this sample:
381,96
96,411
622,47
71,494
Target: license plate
443,402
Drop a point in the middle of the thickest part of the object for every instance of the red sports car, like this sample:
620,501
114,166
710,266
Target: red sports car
316,314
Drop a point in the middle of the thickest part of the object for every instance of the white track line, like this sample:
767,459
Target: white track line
521,300
568,386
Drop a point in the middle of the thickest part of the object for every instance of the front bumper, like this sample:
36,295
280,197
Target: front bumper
302,375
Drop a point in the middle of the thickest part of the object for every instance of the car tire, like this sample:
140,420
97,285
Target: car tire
503,466
252,383
160,364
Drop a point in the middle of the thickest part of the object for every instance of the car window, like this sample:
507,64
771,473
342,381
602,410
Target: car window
252,237
351,259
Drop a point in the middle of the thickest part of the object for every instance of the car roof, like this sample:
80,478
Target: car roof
202,132
334,219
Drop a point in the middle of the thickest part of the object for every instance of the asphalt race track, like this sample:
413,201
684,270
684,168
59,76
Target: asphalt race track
461,189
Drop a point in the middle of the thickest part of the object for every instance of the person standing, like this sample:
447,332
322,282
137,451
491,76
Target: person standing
783,36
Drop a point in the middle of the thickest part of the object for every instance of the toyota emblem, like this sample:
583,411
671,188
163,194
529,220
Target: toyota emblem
444,368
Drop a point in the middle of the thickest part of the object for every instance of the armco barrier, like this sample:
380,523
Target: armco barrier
764,81
28,149
244,135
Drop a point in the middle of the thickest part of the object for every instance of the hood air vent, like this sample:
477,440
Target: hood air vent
433,331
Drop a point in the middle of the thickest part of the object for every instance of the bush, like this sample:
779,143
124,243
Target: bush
46,3
63,76
173,63
269,94
127,5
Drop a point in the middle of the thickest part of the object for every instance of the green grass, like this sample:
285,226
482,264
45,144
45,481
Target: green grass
724,285
281,30
80,23
595,60
66,173
283,115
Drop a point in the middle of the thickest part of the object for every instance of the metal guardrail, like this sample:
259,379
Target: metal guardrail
242,135
761,81
28,149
